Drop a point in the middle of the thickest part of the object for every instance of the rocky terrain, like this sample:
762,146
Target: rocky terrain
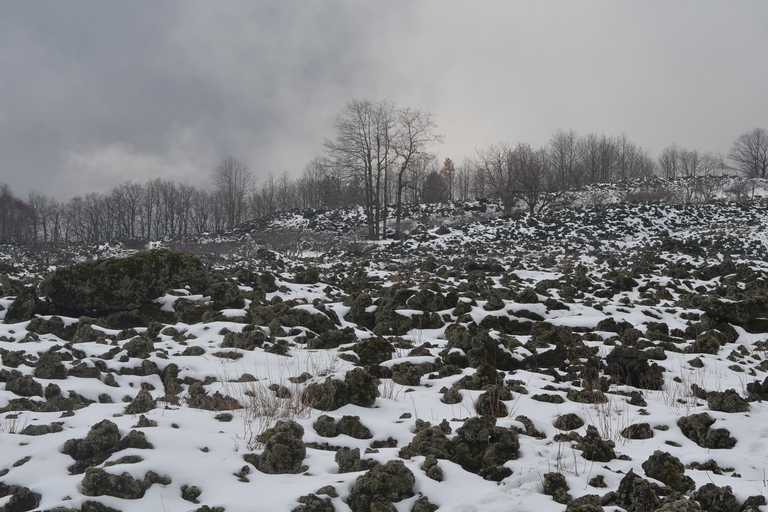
596,357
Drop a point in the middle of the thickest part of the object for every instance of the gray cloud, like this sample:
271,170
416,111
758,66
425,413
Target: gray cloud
93,93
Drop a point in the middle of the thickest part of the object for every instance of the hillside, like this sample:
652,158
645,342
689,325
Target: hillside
596,357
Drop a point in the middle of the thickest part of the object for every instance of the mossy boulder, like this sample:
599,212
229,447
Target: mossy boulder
491,402
23,306
100,442
727,401
373,351
596,448
586,503
556,485
21,498
482,447
717,499
141,404
120,284
383,485
635,494
249,338
750,313
363,387
225,295
708,342
696,427
50,366
358,387
351,426
140,347
98,482
669,470
429,441
349,461
284,450
569,421
638,431
629,365
313,503
20,384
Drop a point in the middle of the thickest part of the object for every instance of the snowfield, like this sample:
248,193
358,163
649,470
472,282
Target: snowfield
507,362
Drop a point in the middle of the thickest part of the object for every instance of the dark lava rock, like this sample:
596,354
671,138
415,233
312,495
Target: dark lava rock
40,430
717,499
669,470
333,338
638,431
98,482
121,284
750,313
628,365
490,403
595,447
348,425
50,366
190,493
139,347
727,401
586,503
225,295
328,396
22,385
284,450
313,503
568,421
373,351
349,461
428,441
141,404
363,387
431,469
555,485
358,387
696,427
708,342
549,398
199,399
248,339
635,494
383,485
482,447
21,498
101,441
23,307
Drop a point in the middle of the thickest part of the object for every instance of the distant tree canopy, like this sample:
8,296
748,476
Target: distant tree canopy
379,158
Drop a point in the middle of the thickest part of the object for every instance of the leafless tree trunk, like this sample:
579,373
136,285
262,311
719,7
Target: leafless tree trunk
750,153
414,134
234,182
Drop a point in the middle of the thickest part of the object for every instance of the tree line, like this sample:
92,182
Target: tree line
380,158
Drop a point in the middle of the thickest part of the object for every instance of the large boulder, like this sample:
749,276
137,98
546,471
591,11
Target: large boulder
121,284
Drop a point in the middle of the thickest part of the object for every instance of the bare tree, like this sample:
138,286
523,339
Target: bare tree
234,182
668,162
563,152
414,134
494,165
750,153
363,148
597,156
435,189
16,218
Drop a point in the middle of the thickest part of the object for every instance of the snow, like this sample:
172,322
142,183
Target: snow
193,447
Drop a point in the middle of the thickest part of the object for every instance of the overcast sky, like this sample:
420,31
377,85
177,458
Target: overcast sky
93,93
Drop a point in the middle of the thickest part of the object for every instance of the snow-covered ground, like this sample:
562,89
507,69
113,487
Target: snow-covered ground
642,265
